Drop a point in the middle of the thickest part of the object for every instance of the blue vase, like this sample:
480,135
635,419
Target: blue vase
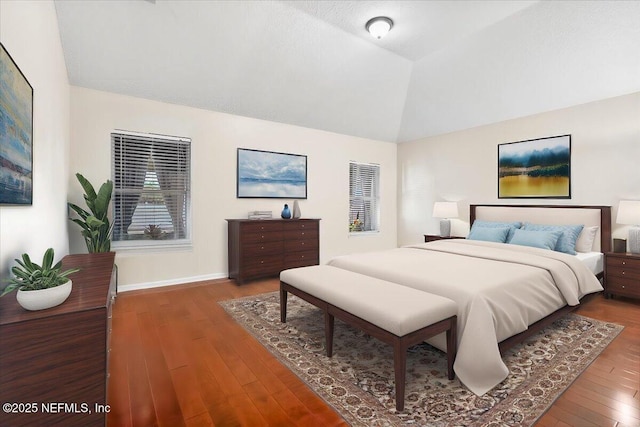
286,213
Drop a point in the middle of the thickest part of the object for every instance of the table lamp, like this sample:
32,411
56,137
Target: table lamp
629,214
445,210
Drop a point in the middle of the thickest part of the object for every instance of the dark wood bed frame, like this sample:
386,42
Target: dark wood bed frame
605,246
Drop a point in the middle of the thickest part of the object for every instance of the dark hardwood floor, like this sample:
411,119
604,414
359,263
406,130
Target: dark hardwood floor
177,359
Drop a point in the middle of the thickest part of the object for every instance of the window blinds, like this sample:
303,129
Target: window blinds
152,180
364,197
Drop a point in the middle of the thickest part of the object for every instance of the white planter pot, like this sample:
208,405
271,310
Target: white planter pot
44,298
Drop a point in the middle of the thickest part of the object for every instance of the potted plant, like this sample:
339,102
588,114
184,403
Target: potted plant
96,228
40,286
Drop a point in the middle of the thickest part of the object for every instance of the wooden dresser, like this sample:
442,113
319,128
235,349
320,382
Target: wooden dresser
263,248
622,274
54,362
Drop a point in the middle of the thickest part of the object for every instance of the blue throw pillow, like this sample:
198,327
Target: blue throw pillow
536,239
493,224
489,234
567,241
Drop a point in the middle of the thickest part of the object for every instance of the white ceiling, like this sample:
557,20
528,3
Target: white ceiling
445,66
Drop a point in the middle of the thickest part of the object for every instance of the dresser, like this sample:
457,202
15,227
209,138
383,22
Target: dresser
54,362
263,248
622,274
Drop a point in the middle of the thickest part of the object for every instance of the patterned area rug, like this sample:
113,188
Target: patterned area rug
358,381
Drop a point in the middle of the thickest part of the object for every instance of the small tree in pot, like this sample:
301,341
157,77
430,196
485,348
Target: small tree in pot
96,228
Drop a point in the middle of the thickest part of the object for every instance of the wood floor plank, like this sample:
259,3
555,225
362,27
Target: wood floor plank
179,359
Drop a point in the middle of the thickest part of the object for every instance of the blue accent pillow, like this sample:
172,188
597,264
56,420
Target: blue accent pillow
567,241
493,224
536,239
489,234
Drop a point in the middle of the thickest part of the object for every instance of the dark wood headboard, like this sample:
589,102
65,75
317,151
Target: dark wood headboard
605,218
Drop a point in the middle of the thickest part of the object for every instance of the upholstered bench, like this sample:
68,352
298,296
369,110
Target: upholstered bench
396,314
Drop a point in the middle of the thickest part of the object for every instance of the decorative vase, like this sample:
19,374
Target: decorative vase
286,213
296,210
44,298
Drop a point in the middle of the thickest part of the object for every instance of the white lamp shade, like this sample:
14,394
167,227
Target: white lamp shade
629,212
379,27
445,210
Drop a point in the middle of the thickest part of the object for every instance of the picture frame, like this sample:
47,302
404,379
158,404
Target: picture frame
535,168
271,175
16,133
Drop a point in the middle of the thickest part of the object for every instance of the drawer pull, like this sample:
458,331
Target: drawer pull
302,243
261,247
303,257
261,262
302,233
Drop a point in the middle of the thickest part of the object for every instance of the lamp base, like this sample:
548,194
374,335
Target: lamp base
634,240
445,228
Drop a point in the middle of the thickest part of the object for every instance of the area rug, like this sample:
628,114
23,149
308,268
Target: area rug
358,381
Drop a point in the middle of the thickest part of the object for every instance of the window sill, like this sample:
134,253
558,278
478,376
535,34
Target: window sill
363,233
145,247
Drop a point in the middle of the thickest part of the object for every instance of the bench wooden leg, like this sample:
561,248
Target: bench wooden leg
283,305
328,332
400,365
452,343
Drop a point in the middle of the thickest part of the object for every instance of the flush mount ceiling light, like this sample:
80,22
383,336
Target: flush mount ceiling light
379,26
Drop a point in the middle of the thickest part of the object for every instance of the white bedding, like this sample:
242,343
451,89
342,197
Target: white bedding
500,289
593,260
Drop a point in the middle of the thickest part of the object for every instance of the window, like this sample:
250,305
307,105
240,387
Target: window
152,188
364,197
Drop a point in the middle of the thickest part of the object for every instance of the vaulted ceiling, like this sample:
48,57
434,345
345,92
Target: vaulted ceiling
445,65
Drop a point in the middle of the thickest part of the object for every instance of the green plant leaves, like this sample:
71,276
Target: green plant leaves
29,276
96,228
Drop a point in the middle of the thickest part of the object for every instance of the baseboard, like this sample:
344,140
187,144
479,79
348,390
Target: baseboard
170,282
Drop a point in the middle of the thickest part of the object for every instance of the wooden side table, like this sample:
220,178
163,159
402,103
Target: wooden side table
622,274
434,237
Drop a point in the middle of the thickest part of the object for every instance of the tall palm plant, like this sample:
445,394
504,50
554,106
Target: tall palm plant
96,228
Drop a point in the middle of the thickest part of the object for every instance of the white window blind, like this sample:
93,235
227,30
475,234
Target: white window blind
152,187
364,197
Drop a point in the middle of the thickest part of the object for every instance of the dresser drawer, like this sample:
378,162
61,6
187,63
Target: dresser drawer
301,235
300,225
301,259
261,249
623,272
260,226
271,264
261,236
302,244
623,286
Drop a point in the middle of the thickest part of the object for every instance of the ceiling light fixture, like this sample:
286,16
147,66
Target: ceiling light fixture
379,26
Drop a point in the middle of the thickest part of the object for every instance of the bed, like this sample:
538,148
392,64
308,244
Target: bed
504,292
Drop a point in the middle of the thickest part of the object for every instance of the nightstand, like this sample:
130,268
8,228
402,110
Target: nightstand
434,237
622,274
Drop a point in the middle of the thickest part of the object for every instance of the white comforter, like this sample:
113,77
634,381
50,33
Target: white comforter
500,289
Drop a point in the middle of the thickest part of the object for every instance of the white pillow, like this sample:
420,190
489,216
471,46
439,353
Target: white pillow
586,238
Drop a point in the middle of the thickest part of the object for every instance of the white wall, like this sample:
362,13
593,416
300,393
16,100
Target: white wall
29,32
462,166
215,139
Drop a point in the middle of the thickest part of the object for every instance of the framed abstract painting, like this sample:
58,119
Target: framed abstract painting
271,175
16,134
535,168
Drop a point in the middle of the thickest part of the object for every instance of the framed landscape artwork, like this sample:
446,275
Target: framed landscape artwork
266,174
536,168
16,134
